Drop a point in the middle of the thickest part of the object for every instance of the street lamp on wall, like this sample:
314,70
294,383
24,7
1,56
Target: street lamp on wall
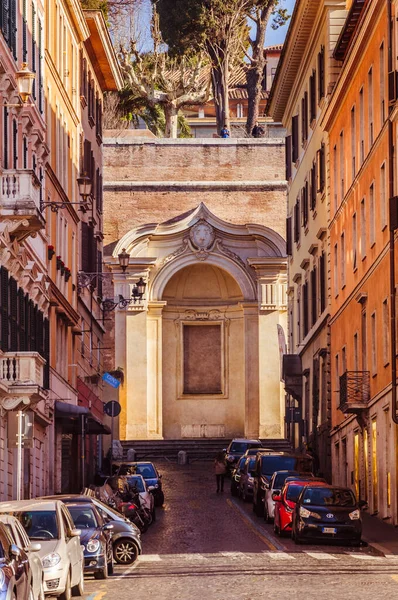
85,186
25,79
137,294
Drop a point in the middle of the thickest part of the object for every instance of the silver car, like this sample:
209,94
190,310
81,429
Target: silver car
32,549
49,523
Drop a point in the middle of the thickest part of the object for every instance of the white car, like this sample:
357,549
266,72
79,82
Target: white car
274,486
49,523
147,499
32,549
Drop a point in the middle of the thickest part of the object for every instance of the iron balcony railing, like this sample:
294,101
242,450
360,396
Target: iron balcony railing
354,391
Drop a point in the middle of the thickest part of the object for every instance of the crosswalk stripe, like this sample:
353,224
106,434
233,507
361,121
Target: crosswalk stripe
149,558
279,556
321,555
366,556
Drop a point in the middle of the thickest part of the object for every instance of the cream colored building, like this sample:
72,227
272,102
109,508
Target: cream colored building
200,352
304,79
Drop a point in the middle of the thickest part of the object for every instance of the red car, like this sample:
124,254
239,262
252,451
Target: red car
285,503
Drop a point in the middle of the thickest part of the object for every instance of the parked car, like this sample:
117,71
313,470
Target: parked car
236,450
95,538
327,513
269,462
20,539
151,475
146,498
236,475
15,574
274,486
49,522
126,537
255,451
246,479
285,502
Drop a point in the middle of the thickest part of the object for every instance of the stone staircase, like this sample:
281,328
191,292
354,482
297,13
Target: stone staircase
197,449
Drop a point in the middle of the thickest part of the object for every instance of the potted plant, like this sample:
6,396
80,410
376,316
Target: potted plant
59,263
50,252
67,273
118,373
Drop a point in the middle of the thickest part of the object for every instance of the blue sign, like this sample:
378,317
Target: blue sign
112,381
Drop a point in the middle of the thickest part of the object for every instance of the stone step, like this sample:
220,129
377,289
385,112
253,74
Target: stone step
201,448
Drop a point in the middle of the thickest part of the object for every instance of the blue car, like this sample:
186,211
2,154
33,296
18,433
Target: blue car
149,473
95,537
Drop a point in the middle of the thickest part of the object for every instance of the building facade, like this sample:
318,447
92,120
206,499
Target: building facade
303,82
46,367
364,436
200,351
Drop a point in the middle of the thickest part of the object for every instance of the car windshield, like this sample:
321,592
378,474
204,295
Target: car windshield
83,517
39,524
252,462
293,492
107,511
329,497
147,471
136,482
270,464
238,447
280,479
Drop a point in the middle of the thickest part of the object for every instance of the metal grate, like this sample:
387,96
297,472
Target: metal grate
354,390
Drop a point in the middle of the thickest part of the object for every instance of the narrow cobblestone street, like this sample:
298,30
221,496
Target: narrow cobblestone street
209,546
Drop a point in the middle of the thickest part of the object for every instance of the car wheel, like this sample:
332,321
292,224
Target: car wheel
159,500
277,530
125,552
78,590
244,497
103,574
234,490
67,593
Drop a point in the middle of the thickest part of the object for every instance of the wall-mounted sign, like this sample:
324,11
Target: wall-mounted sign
109,379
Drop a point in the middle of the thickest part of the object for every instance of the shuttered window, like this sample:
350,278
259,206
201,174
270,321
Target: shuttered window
321,74
313,187
322,280
313,96
320,159
24,32
14,144
305,308
304,205
297,222
89,249
288,156
304,118
4,326
289,245
295,138
5,138
314,296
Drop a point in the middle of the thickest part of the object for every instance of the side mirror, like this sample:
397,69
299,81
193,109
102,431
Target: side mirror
107,527
75,532
363,505
224,449
276,497
34,547
15,551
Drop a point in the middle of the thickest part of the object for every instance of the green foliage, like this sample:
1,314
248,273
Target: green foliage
101,5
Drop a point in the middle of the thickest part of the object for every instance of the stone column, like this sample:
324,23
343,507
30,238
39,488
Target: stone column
136,388
155,369
252,370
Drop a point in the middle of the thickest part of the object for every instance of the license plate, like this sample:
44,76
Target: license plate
329,530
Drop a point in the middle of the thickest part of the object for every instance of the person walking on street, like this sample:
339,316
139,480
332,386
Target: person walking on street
220,469
225,132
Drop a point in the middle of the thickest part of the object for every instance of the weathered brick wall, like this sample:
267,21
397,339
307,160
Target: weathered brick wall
250,176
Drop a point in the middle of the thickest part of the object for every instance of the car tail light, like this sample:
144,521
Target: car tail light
131,507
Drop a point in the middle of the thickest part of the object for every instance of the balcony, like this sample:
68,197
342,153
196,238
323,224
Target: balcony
354,391
21,377
20,201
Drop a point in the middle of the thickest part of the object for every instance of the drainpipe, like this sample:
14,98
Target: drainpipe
393,224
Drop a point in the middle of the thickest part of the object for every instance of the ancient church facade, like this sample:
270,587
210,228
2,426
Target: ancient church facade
203,224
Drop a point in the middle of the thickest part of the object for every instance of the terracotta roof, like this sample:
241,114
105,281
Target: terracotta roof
274,48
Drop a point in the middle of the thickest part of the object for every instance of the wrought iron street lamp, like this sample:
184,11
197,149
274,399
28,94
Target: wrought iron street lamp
25,79
85,186
137,294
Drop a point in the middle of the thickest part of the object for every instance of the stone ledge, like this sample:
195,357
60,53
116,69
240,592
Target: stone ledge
198,185
138,141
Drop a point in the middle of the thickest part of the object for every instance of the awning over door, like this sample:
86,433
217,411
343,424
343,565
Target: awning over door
71,415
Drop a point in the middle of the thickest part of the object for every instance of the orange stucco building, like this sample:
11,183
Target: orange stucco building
363,434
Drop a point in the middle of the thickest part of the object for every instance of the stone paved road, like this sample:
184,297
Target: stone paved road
207,546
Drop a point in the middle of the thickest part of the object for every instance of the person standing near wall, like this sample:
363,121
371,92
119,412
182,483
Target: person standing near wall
220,469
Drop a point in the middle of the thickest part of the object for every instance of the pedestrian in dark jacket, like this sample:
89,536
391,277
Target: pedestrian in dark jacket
258,130
220,468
